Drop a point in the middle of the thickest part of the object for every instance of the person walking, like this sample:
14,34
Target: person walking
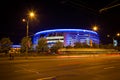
11,54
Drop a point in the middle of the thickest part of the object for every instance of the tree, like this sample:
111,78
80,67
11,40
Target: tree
42,45
5,45
78,45
56,47
81,45
26,42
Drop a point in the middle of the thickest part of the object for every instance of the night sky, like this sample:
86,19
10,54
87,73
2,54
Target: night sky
55,14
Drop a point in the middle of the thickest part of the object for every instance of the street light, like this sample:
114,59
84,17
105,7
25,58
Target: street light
30,16
118,34
115,42
95,28
27,26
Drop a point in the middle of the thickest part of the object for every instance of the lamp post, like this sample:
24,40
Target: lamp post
27,27
94,28
114,40
30,15
115,43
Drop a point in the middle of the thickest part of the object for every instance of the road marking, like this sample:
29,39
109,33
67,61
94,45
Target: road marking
109,67
28,70
47,78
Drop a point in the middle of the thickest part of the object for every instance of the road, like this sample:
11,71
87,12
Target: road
61,68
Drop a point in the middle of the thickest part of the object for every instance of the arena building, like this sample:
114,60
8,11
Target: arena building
67,36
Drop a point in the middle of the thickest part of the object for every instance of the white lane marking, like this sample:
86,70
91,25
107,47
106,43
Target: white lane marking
23,69
47,78
28,70
109,67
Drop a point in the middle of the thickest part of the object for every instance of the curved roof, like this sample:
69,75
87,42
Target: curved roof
65,30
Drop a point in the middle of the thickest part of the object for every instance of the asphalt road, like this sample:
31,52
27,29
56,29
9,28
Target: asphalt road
61,68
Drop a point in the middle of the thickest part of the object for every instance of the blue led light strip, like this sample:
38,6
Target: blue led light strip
65,30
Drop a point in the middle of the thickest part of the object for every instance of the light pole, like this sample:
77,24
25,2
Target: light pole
115,43
94,28
114,40
30,15
27,26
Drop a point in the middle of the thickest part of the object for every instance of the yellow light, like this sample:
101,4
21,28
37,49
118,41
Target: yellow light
31,14
108,35
118,34
95,28
24,20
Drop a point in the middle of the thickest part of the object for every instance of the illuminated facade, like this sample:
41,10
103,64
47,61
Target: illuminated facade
67,36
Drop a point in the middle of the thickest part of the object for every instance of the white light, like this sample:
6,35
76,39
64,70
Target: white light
55,37
54,41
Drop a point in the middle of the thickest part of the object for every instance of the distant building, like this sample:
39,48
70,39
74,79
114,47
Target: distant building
67,36
16,48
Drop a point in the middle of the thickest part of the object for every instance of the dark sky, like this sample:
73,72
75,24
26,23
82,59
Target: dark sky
52,14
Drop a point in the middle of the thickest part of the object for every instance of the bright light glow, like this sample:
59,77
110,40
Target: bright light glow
55,37
95,28
108,35
118,34
24,20
65,30
32,14
54,41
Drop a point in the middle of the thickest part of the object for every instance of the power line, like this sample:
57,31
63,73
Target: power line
109,7
111,3
77,4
